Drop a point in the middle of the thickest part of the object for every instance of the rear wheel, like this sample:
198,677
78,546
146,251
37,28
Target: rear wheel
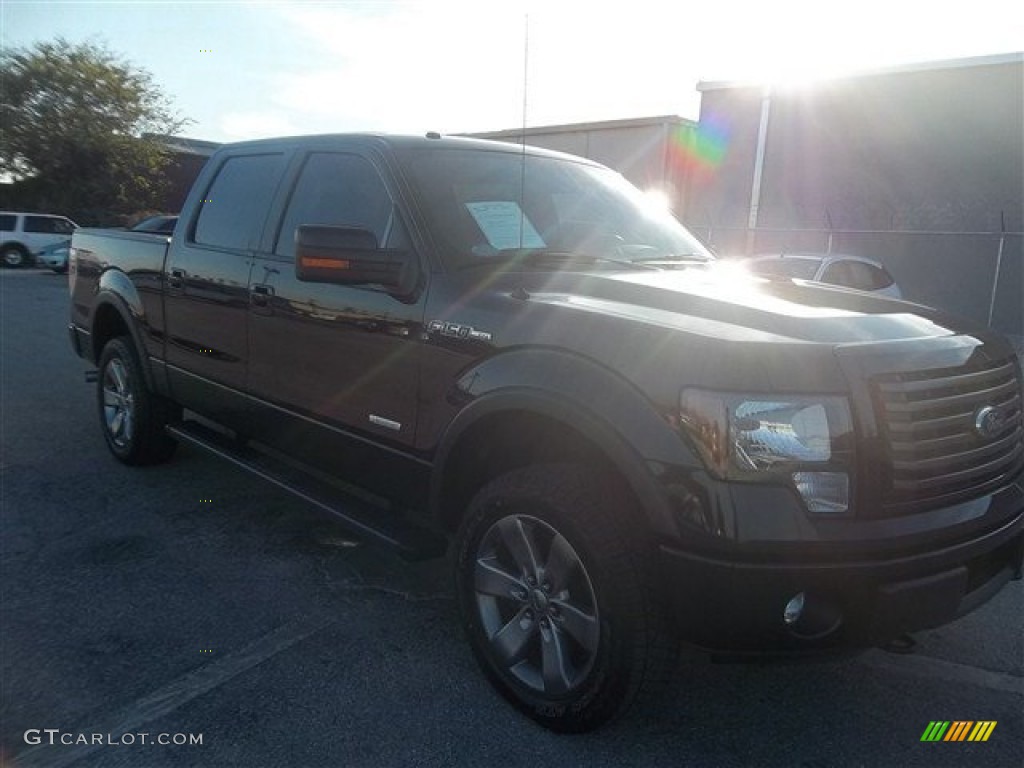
556,599
132,418
13,256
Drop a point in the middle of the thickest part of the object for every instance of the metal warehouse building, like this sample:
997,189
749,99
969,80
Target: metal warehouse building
652,152
920,167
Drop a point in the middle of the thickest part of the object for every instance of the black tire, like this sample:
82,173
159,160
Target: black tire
14,256
572,639
132,418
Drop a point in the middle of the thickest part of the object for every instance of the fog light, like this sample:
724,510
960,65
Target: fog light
812,616
824,492
794,609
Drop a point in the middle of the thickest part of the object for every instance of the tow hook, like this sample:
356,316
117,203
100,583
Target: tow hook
91,377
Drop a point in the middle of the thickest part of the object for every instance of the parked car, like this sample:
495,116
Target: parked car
628,449
160,225
843,270
54,256
22,235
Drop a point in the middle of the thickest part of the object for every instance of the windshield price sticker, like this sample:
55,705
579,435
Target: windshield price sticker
505,225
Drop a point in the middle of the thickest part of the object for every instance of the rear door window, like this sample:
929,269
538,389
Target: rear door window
880,278
235,206
856,274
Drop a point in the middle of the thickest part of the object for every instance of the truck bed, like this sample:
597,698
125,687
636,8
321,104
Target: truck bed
133,261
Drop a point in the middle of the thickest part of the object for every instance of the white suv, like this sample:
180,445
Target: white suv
22,235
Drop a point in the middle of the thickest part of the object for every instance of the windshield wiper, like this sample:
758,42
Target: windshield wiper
677,258
534,255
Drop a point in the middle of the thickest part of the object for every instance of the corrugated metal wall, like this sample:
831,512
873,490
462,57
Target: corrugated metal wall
921,170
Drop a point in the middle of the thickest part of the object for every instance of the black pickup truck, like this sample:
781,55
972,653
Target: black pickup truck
632,445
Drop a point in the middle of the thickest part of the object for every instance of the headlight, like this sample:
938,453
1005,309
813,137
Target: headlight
806,441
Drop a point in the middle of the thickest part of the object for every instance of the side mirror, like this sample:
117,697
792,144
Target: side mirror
351,256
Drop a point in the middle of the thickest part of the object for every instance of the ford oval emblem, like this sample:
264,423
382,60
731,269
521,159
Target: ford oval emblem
989,421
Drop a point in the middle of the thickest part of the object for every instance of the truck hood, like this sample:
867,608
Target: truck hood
730,304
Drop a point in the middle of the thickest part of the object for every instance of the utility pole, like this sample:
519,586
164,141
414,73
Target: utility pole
755,187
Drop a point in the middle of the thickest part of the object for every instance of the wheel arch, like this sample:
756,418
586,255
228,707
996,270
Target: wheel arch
514,427
118,312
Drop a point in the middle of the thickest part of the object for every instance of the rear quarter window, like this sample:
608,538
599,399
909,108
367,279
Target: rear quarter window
8,223
47,225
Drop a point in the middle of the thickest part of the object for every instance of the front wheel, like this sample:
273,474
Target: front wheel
556,598
132,418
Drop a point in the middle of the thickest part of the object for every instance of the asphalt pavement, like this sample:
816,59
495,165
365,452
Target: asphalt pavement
191,600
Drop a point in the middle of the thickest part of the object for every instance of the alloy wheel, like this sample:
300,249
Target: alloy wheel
536,605
13,257
118,403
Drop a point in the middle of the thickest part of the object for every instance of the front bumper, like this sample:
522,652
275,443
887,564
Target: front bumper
737,605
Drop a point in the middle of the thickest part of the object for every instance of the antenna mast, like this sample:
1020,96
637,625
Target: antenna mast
522,141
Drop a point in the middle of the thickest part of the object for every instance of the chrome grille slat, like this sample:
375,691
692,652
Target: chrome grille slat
956,422
934,453
1004,391
983,470
964,457
955,443
951,424
960,380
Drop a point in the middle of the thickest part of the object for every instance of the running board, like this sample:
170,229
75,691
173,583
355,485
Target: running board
410,541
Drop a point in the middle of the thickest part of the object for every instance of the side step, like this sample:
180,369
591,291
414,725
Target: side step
361,517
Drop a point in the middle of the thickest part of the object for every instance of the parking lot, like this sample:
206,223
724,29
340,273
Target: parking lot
191,599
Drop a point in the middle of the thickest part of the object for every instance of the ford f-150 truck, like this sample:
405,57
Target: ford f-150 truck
631,445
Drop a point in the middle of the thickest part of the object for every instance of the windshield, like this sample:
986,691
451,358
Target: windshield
487,206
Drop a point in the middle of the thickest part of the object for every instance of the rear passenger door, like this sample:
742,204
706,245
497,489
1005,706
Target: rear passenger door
41,231
206,281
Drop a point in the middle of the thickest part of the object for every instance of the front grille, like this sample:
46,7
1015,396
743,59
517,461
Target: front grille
935,453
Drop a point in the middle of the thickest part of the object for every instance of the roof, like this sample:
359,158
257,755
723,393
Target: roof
328,140
34,213
810,256
187,146
1000,59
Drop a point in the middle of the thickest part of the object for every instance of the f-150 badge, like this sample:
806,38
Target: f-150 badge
458,331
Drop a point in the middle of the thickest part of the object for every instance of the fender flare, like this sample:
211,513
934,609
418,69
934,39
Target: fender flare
600,405
117,291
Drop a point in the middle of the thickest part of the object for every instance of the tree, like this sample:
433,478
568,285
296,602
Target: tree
79,128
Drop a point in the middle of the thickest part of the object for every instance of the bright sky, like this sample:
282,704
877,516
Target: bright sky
319,67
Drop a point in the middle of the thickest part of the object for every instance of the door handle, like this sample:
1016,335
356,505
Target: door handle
177,278
260,293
